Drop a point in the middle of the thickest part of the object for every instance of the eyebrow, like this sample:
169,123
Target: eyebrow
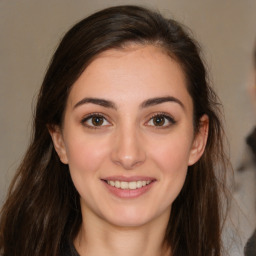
159,100
144,104
101,102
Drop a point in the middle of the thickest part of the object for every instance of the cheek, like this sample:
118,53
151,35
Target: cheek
172,155
171,161
85,158
86,155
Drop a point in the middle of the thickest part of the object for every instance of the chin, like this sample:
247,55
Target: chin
128,222
132,218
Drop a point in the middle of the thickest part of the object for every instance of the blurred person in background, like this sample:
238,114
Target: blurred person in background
250,248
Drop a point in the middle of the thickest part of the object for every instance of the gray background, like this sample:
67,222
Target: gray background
31,30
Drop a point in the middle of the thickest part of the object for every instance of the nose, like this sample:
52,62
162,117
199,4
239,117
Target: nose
127,149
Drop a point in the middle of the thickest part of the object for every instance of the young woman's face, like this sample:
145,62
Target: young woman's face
128,135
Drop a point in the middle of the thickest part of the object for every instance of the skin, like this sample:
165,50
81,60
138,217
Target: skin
128,143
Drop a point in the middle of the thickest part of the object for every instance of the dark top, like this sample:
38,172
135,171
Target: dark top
69,250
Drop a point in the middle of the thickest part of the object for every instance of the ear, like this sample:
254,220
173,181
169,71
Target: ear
58,143
200,141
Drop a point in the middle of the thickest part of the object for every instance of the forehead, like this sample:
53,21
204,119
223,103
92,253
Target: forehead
143,71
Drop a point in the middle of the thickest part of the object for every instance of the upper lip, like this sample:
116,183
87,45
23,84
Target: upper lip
129,179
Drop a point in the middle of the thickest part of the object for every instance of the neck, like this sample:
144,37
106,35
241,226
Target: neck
102,238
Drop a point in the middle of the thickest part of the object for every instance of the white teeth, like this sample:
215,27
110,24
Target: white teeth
124,185
128,185
139,184
117,184
132,185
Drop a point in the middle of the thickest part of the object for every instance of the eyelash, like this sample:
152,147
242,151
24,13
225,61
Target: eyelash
171,121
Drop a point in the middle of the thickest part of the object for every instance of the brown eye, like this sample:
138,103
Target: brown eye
97,120
158,120
161,121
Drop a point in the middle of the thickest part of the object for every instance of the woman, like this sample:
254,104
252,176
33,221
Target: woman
126,155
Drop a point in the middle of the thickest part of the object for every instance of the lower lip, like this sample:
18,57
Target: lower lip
128,193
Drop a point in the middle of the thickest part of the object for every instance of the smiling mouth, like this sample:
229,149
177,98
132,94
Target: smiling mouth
132,185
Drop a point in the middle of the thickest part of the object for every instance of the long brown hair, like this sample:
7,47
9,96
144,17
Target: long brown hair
42,209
